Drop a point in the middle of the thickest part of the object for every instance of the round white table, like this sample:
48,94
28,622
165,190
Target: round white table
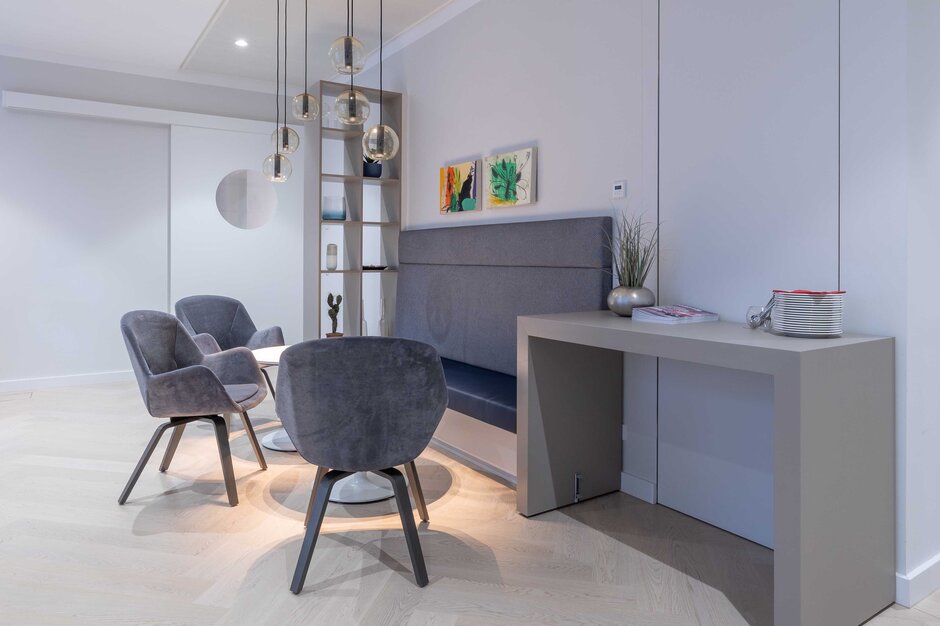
361,487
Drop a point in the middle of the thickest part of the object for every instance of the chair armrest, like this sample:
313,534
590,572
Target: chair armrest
188,391
235,367
266,338
207,343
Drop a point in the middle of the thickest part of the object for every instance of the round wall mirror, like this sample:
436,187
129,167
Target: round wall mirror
246,199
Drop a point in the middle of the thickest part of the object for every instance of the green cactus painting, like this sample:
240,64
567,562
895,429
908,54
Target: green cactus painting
510,178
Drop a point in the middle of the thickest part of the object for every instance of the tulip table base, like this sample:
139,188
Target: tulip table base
360,488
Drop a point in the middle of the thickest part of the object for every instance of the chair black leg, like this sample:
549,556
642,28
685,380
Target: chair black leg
321,472
175,437
407,523
148,452
254,441
416,491
322,490
225,456
264,371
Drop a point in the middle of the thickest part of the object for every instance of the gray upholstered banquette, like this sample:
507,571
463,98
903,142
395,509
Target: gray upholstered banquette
460,289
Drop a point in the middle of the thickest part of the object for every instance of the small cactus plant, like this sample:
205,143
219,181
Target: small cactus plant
333,311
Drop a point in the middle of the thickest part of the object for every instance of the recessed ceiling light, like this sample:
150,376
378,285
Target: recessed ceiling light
241,43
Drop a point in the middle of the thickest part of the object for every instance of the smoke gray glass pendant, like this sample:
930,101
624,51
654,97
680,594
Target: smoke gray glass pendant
380,143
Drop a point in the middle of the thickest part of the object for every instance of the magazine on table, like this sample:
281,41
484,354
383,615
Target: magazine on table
673,314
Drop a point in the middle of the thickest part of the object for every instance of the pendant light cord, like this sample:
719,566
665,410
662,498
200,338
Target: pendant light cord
277,79
306,38
381,43
350,14
285,64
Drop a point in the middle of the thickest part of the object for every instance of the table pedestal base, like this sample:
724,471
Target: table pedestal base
278,440
360,488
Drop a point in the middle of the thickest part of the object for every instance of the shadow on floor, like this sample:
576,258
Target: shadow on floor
738,568
436,481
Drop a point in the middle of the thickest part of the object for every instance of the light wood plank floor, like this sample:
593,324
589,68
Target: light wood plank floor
177,554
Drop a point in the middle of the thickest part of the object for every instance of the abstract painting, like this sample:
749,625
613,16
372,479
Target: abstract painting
459,188
510,178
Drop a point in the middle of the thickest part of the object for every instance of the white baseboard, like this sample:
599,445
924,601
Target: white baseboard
72,380
472,461
919,583
638,487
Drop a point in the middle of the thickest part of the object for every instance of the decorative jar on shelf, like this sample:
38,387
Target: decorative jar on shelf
334,208
331,256
371,168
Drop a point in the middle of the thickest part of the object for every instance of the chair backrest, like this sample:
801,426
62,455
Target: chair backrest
156,343
360,403
224,318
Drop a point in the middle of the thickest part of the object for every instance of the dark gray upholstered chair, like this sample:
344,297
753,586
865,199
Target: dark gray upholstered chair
360,404
222,323
179,382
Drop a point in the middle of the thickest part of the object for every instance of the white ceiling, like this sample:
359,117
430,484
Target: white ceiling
197,36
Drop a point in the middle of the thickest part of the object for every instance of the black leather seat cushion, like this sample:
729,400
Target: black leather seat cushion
483,394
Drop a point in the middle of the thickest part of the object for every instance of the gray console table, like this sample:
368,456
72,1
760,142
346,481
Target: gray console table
834,517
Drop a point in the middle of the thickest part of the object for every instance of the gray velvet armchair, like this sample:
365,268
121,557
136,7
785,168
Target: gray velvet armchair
222,323
226,321
179,383
360,404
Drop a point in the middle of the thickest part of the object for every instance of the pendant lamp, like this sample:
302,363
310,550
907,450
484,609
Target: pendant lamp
352,107
380,143
304,106
277,167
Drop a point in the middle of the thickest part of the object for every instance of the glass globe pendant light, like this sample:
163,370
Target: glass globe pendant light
347,54
286,140
277,167
380,143
304,106
352,107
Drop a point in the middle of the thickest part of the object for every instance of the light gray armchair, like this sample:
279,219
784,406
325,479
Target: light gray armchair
222,323
178,382
361,404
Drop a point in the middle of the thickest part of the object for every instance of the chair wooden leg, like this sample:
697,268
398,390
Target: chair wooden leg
254,441
407,523
264,371
148,452
175,437
321,472
412,472
225,456
322,490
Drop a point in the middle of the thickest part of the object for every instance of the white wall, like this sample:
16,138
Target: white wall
262,267
919,440
85,210
543,73
749,202
83,206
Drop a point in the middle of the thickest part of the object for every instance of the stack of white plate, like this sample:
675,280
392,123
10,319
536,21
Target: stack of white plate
807,313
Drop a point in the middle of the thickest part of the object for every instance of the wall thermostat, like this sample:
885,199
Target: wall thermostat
619,189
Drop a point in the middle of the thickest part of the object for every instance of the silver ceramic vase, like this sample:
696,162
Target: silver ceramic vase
622,300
